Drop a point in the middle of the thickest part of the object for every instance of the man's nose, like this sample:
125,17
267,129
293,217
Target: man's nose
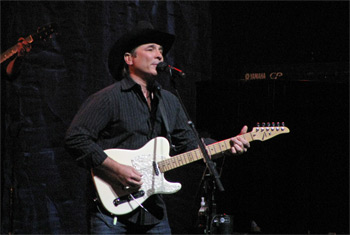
159,55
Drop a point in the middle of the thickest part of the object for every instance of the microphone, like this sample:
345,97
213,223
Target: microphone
164,67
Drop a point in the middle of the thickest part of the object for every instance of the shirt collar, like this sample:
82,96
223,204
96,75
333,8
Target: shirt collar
127,83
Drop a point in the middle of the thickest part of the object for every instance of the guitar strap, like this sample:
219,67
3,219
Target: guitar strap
165,120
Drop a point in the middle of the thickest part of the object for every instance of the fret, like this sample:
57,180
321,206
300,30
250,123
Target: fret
161,166
164,169
190,157
185,159
227,144
198,154
173,161
211,150
217,148
168,164
214,150
222,145
179,160
219,145
195,157
172,167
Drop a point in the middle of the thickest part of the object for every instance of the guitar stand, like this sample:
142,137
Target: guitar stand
207,210
209,163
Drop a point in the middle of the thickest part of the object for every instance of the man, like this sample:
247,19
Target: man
126,115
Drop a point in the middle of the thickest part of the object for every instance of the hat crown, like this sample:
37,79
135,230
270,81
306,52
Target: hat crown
140,34
143,25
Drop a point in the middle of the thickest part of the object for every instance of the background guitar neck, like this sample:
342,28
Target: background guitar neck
13,50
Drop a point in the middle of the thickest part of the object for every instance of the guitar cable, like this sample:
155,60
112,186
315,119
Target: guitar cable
132,196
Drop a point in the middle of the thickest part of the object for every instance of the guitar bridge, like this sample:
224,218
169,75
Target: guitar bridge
129,197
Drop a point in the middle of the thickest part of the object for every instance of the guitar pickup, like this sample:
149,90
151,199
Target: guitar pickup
128,197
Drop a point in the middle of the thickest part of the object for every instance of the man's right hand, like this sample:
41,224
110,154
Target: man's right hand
23,47
126,175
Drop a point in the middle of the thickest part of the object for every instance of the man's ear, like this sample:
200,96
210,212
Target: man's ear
128,58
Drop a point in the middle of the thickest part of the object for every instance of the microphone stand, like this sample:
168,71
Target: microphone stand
209,163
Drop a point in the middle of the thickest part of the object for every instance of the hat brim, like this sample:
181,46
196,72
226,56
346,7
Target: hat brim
132,40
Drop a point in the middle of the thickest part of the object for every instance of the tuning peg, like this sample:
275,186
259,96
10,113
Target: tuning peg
257,126
282,128
278,126
263,124
268,126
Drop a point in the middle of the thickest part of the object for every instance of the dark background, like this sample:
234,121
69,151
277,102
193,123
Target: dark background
294,183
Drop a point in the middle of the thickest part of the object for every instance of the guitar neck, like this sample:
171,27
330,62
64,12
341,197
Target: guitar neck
195,155
13,50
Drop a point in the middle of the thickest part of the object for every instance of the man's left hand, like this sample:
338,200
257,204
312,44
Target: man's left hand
239,145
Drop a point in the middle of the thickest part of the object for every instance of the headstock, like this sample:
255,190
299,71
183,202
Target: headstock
268,130
45,32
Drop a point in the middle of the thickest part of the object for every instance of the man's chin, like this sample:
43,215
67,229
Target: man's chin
153,74
151,77
151,83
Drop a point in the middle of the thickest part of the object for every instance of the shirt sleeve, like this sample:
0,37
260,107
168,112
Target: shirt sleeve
82,135
17,66
182,135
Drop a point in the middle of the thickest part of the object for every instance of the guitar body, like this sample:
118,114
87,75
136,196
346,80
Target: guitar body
145,161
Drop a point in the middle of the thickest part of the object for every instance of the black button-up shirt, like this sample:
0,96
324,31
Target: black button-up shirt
118,117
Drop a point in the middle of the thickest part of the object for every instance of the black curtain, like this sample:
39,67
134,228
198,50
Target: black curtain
42,189
296,183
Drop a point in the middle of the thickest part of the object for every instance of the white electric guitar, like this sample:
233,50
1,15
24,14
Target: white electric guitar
152,160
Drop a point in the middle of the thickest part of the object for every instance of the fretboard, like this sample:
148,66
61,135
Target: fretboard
195,155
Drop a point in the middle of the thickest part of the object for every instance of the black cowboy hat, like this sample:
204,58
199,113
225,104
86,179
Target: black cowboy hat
142,33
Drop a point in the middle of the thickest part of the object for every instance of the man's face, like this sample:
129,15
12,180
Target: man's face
143,62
